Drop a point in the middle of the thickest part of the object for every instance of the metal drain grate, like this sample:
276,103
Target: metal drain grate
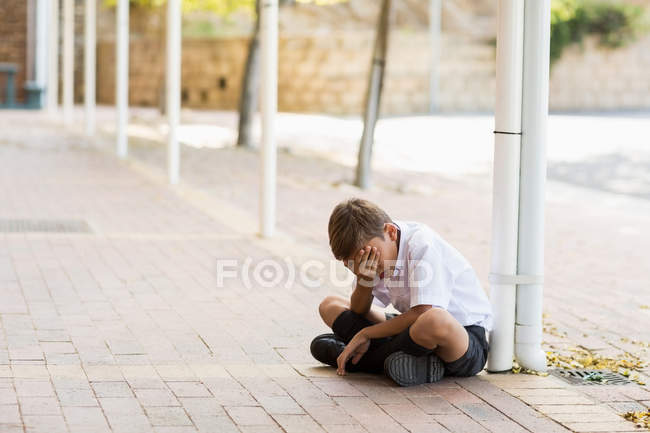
591,377
34,225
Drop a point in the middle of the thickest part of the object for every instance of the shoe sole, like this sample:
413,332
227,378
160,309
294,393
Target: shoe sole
409,370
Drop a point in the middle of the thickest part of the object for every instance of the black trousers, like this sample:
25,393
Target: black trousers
348,324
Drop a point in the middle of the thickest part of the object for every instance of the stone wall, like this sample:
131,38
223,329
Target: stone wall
316,74
13,43
593,78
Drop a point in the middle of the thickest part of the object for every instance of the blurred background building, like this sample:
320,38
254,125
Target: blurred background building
324,56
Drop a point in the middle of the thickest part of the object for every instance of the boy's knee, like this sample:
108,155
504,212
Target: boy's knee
433,326
330,308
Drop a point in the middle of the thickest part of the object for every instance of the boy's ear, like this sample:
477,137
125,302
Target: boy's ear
391,230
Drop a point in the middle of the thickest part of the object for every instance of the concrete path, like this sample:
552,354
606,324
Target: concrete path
129,328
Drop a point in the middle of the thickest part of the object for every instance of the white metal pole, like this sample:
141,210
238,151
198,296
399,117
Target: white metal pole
122,76
53,57
528,334
41,65
68,60
435,34
505,204
269,105
89,66
173,87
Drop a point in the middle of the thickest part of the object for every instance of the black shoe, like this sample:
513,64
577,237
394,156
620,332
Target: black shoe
326,348
408,370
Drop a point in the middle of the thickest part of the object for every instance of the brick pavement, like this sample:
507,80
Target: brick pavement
125,329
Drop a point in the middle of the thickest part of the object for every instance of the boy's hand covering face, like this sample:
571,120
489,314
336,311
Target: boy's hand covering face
365,263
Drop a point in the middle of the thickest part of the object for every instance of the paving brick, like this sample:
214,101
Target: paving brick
84,416
189,389
379,392
9,414
605,393
540,392
76,397
39,406
249,415
434,405
7,396
337,388
503,426
112,389
457,396
44,424
344,428
562,400
167,416
133,423
196,406
298,424
627,406
459,423
260,429
405,413
635,392
600,426
513,408
604,416
481,411
304,392
125,406
571,408
156,397
175,429
280,405
329,415
100,373
368,414
176,372
214,423
429,427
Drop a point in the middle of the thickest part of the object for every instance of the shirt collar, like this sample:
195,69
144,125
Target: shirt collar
401,252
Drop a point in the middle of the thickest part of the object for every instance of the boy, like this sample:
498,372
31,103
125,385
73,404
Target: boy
444,311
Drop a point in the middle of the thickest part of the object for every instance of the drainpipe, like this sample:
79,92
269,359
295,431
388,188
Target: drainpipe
505,206
122,76
528,329
40,64
268,110
90,55
173,92
68,61
53,57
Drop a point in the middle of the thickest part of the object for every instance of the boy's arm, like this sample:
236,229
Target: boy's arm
365,268
361,298
395,325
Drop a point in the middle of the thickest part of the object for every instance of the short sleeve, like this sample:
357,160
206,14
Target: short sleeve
426,275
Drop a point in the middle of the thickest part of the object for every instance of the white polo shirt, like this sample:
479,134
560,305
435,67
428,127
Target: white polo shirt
429,271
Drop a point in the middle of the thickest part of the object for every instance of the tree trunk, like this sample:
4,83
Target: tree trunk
250,86
373,97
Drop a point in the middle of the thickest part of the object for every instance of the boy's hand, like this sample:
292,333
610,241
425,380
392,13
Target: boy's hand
365,263
355,349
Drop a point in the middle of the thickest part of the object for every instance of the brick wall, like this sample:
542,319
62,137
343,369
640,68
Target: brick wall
13,42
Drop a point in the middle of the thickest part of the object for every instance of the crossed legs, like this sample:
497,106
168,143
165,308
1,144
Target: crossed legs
434,329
